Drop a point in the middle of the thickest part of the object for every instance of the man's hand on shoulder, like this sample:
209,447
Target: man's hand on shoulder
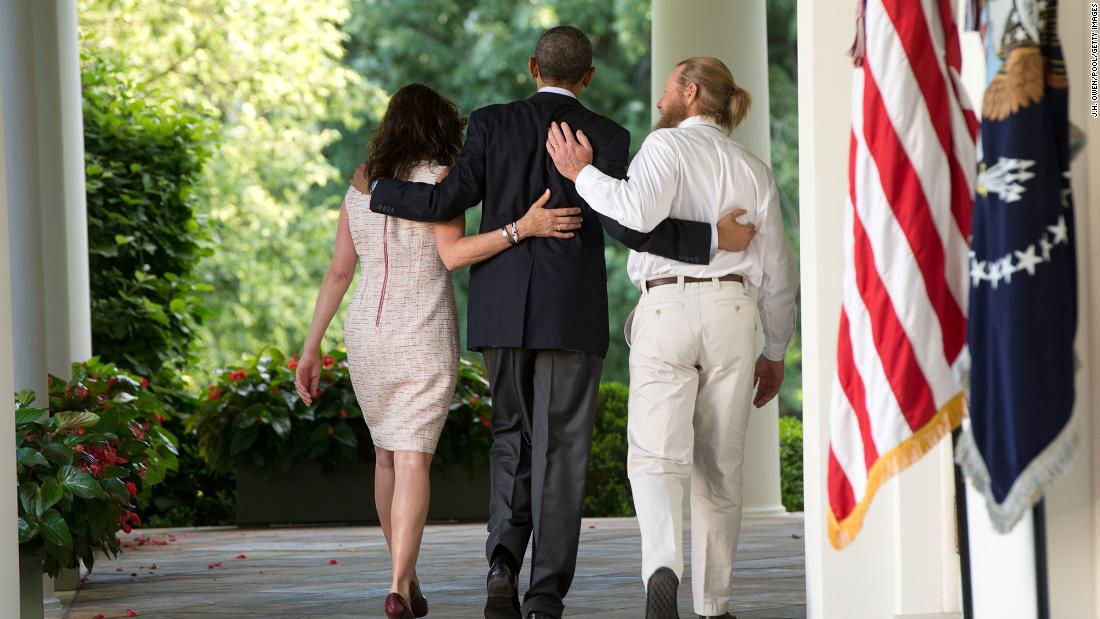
571,153
733,236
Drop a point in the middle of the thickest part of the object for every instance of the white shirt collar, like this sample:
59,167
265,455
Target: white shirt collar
558,91
700,121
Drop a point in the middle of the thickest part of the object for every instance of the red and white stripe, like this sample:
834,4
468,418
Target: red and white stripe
907,223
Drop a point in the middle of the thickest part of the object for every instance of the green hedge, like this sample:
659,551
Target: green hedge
790,462
143,155
607,490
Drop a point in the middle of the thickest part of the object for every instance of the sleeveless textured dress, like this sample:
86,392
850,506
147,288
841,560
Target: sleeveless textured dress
401,329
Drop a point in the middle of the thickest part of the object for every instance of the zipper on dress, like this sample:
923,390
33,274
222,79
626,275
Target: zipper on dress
386,271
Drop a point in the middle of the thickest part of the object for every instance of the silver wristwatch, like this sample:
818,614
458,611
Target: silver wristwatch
373,184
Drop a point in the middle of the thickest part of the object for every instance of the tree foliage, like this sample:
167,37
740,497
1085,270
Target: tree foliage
272,74
299,86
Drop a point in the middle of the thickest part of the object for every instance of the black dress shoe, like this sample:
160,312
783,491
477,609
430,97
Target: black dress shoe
502,595
534,614
660,595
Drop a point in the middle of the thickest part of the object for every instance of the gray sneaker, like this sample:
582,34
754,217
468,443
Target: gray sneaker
660,599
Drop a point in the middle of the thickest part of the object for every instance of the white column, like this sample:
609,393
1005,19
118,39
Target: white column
23,223
1073,504
734,31
61,185
9,541
17,69
47,223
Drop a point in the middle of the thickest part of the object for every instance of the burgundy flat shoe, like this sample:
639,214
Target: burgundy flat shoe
397,608
418,602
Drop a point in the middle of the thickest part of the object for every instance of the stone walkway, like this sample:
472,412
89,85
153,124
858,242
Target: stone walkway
341,572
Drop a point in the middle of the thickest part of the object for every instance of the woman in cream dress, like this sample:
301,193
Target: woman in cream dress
401,329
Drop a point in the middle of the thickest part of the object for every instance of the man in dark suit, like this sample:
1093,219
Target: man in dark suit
538,312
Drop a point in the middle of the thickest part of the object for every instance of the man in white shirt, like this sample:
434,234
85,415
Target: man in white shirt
692,333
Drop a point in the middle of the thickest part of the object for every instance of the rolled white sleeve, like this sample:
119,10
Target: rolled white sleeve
642,201
779,283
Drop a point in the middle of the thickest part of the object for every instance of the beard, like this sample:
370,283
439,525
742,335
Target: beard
672,115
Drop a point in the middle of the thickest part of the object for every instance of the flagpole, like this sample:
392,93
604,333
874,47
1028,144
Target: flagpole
963,534
1042,590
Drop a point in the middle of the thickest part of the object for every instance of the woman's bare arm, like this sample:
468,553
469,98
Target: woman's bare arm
334,286
458,250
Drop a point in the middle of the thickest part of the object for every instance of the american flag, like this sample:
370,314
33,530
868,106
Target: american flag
906,230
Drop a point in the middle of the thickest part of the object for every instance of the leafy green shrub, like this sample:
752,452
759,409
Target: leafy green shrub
790,463
607,490
252,416
467,434
80,473
143,156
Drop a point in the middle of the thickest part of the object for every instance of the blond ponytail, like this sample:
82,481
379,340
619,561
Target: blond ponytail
740,103
719,96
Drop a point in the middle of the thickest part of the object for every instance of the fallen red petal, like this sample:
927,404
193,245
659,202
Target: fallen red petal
332,561
242,556
130,613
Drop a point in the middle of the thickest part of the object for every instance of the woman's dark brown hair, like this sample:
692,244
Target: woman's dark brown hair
419,125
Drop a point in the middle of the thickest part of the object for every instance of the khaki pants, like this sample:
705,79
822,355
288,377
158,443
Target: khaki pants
691,369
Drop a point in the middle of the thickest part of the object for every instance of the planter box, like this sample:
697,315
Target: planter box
68,579
306,494
30,586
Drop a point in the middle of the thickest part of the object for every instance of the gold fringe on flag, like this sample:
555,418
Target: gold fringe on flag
895,461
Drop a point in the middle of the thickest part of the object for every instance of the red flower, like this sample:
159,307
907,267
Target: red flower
112,381
237,375
79,431
134,518
487,422
331,431
160,419
121,461
79,447
132,488
80,392
327,361
292,363
126,527
343,414
144,383
214,395
145,425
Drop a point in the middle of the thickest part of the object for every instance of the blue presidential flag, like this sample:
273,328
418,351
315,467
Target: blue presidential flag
1023,294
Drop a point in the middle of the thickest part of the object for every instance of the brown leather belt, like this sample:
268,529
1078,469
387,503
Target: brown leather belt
663,281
